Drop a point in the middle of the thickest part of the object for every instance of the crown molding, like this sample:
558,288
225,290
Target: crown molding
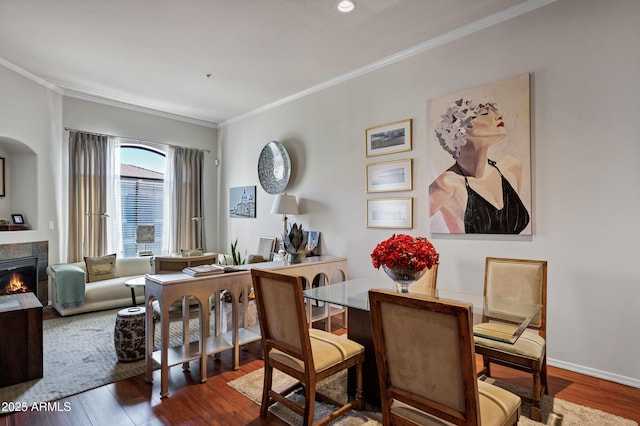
138,108
440,40
456,34
30,76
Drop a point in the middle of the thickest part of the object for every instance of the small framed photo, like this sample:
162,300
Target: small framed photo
313,243
390,176
17,219
388,138
390,213
242,201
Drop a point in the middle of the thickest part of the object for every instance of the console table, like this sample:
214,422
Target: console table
21,337
165,288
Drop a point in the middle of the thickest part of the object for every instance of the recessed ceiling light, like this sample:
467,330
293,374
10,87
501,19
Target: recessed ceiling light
346,6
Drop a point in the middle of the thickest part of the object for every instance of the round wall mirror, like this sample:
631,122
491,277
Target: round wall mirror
274,168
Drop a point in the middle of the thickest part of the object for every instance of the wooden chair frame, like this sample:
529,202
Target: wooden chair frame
265,283
537,367
390,391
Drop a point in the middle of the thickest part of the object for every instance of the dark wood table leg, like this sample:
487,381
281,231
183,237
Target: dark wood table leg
359,330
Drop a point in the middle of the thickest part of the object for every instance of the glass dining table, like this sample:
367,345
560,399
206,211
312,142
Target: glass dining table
354,295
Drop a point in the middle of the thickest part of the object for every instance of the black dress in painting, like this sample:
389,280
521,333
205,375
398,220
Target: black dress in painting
482,217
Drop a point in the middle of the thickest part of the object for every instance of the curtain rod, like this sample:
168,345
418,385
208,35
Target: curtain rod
68,129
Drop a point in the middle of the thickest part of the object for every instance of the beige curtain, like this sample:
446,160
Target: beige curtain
90,166
184,220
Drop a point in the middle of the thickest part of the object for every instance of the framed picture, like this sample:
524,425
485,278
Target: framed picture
242,201
266,247
488,124
388,138
390,213
390,176
313,243
2,194
17,219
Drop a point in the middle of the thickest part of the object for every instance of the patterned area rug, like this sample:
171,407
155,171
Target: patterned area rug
79,355
554,411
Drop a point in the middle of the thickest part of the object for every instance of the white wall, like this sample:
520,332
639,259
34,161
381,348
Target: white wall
584,60
30,123
100,118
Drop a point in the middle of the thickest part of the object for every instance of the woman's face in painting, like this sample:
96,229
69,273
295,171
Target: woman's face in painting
487,124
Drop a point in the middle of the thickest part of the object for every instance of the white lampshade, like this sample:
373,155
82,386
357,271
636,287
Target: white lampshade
284,204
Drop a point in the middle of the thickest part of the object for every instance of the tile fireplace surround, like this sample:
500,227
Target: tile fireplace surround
36,248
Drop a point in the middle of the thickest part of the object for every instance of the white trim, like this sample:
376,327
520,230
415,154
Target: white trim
624,380
463,31
139,108
30,76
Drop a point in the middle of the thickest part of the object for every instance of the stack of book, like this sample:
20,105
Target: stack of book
199,271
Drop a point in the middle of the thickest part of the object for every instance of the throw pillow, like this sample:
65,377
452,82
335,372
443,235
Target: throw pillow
101,268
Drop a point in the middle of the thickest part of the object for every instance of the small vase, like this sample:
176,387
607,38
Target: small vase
403,276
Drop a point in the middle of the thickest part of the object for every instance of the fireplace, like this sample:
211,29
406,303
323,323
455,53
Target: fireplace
19,275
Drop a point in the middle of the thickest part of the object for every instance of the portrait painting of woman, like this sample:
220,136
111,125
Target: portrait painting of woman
479,146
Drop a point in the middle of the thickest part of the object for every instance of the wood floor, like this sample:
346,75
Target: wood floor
134,402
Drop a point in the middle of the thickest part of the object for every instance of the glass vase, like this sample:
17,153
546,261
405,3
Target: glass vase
403,276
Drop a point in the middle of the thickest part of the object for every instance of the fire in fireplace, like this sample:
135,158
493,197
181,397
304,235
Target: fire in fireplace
19,275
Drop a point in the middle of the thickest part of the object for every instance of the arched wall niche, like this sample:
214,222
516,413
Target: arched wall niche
20,184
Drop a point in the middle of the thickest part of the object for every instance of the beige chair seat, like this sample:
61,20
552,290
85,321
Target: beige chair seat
529,345
307,355
496,406
508,282
328,350
427,366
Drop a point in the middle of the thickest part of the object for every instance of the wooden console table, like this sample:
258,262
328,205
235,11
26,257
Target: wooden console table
168,287
21,337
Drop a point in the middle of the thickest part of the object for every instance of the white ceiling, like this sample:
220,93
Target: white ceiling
156,54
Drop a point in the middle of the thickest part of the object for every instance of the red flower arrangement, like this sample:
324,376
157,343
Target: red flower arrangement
405,251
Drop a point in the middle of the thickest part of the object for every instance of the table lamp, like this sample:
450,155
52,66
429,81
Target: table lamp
285,204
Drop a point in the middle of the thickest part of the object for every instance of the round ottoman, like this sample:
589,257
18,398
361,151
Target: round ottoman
129,334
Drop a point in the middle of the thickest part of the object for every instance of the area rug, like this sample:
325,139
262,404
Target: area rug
78,355
555,412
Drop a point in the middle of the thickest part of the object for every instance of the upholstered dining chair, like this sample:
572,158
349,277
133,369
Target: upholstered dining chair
426,282
289,345
426,364
516,281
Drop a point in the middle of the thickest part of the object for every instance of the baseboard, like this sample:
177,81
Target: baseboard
629,381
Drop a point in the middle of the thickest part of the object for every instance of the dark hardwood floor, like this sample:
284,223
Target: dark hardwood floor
134,402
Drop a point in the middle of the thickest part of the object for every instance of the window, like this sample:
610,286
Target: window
142,194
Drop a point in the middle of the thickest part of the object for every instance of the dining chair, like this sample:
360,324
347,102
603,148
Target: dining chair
426,364
289,345
510,282
426,282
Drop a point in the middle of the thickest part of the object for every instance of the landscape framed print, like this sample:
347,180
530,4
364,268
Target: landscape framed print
390,213
390,176
389,138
